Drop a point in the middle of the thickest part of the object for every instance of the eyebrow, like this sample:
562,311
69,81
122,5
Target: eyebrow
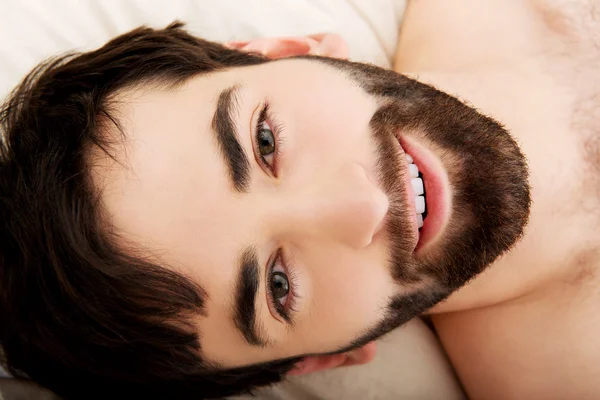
224,128
248,283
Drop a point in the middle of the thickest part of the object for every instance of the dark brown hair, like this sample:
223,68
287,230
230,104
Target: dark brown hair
79,313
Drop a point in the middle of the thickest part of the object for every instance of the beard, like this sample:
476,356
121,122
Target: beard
487,173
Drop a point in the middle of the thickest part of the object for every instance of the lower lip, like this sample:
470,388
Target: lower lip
437,193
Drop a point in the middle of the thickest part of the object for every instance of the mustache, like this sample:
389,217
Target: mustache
390,167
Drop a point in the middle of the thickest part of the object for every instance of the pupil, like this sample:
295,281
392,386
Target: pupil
280,285
266,142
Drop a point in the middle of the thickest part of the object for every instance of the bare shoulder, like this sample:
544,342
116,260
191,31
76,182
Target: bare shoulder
465,33
544,349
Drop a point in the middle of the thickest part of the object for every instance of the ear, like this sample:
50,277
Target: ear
359,356
323,44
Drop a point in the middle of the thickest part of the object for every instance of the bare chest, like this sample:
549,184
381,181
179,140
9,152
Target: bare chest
576,66
571,55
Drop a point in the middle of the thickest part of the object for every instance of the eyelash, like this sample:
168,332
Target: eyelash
265,116
288,310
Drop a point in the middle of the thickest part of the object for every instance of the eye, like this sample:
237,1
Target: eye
280,287
265,141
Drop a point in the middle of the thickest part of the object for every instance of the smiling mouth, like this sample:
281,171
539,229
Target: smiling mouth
429,187
418,187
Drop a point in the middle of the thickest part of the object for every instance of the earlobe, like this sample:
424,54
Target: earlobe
332,45
359,356
362,355
324,44
318,363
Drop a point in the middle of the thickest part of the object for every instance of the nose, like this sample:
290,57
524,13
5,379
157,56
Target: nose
346,206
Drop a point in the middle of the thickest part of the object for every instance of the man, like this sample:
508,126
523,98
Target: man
190,220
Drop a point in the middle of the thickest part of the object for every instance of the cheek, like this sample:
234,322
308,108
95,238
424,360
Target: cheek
335,132
348,294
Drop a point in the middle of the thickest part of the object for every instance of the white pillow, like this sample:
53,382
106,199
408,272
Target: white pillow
32,30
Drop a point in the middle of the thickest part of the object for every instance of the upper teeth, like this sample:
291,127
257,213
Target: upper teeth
417,185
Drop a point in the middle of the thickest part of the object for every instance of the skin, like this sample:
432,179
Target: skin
541,72
525,328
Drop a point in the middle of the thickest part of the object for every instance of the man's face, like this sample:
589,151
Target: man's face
285,191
